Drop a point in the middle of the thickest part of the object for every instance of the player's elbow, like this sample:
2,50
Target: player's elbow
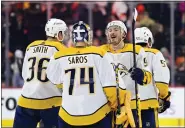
110,93
163,89
112,96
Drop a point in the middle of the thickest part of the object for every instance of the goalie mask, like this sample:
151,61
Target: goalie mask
81,32
144,35
54,27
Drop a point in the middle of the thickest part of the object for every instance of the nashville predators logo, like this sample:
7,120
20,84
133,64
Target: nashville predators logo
120,68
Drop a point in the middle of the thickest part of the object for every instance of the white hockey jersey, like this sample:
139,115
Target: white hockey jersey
124,57
160,81
89,84
38,92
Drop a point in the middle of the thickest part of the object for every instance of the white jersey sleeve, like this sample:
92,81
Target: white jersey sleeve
142,60
108,80
54,71
160,69
24,67
106,72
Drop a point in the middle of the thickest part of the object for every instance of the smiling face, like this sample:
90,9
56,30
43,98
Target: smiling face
114,35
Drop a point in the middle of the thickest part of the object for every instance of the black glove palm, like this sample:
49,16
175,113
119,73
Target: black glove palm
164,103
137,74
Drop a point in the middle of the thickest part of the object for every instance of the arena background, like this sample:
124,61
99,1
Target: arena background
24,22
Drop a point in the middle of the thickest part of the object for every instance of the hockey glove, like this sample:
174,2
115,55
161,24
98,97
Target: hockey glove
164,103
137,74
126,117
122,118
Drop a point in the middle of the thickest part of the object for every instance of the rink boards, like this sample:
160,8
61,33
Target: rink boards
173,117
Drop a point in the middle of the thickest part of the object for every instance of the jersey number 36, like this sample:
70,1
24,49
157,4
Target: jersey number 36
37,69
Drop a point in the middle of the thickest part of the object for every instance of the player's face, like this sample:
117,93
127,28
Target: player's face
114,35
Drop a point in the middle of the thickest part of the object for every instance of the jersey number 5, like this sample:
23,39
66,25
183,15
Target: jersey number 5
81,78
163,63
38,69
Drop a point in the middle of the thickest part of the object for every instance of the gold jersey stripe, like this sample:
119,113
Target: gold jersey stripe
86,119
39,103
80,51
59,46
149,103
152,50
128,47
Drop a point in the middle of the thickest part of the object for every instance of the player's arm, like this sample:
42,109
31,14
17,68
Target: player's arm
54,71
60,46
141,74
161,75
108,79
24,66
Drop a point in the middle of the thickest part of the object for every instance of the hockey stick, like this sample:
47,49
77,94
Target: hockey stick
134,61
118,112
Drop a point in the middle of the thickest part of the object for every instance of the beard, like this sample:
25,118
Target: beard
115,41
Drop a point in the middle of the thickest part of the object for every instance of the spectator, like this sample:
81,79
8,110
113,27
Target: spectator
17,79
145,20
120,10
99,18
166,55
17,35
83,13
96,42
27,20
180,73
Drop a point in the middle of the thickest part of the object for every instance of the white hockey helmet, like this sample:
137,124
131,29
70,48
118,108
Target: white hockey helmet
142,35
117,23
54,26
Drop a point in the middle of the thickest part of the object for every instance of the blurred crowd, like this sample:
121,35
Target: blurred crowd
27,22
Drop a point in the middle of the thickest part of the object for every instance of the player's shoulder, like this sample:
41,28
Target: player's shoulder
55,44
78,51
152,50
96,50
129,47
105,47
34,43
64,52
58,45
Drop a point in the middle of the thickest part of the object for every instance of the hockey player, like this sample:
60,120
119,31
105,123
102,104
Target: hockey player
89,83
122,53
40,99
161,77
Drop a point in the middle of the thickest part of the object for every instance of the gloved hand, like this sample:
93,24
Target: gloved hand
164,103
122,117
125,117
137,74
